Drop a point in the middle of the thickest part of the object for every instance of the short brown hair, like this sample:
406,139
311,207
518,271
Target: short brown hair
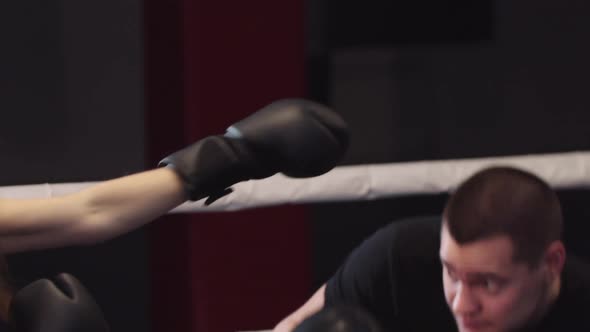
506,201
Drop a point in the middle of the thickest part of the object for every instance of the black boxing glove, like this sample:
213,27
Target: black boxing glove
342,318
59,305
296,137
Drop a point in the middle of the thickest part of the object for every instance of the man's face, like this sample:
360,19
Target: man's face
485,289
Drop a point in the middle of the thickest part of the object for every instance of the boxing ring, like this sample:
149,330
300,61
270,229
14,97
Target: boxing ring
569,170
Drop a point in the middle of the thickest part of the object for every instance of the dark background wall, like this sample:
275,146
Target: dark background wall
416,80
71,105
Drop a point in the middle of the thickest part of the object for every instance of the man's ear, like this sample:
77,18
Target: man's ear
555,258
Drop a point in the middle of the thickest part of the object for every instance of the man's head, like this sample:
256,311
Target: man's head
501,250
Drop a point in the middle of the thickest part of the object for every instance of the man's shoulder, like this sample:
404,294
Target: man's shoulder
414,236
418,227
413,262
399,241
395,273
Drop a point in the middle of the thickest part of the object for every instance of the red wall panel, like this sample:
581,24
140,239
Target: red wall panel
209,64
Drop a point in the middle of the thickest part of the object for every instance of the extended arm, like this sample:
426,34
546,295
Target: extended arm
95,214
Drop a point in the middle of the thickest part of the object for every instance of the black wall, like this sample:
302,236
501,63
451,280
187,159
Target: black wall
71,106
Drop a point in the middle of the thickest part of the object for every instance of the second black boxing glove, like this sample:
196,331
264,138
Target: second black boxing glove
59,305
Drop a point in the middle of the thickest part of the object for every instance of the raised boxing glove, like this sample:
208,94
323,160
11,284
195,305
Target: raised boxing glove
296,137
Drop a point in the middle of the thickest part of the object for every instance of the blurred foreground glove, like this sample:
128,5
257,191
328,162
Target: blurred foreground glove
296,137
339,319
59,305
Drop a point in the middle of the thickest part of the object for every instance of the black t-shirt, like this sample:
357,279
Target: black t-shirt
396,275
571,311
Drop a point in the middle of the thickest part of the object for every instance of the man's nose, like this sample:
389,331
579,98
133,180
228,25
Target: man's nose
464,302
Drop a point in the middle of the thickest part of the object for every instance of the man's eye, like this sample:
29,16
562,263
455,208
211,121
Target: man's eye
451,275
491,285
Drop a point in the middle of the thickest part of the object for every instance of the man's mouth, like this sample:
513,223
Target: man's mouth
472,324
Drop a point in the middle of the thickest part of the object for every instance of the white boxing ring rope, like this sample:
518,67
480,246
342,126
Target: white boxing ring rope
360,182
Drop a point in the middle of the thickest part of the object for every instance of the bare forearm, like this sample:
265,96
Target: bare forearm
119,205
95,214
313,305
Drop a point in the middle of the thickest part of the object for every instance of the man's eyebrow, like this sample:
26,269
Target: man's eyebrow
483,275
490,275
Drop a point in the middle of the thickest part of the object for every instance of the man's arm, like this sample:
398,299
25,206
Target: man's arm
95,214
313,305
